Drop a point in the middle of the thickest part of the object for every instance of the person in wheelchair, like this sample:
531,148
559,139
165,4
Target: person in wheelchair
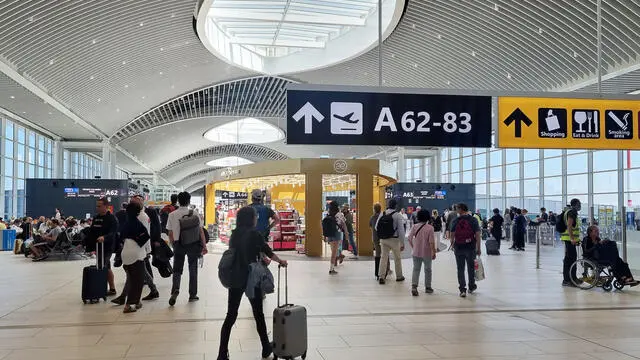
605,253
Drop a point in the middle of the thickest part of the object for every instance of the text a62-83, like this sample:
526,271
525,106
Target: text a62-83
421,121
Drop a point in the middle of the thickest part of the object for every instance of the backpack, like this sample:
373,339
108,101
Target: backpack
437,225
189,228
232,271
386,228
464,233
561,224
263,217
164,216
329,227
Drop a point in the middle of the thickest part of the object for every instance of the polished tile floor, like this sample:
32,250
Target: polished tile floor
518,313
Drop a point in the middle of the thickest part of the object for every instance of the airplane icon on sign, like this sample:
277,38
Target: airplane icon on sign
347,118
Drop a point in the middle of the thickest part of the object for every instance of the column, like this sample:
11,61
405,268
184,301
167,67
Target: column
58,160
591,211
313,214
3,122
108,161
364,195
564,178
435,170
401,166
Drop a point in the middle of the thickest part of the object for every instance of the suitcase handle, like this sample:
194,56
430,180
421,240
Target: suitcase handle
286,287
100,256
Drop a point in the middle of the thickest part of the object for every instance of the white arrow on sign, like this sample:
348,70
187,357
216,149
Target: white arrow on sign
308,112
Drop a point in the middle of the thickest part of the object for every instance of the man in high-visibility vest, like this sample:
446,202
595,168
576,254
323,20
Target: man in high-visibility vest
571,238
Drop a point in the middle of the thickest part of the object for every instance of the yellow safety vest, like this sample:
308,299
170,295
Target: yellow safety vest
576,228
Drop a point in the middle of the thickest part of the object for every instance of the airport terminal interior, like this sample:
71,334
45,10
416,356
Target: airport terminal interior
503,136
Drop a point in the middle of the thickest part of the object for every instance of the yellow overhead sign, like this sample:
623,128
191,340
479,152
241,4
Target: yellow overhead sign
557,123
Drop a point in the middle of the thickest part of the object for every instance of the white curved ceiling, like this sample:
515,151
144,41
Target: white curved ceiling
111,62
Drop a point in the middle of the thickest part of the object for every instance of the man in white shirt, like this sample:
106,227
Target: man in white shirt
185,248
390,229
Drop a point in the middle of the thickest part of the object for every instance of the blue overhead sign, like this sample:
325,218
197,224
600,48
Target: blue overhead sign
373,117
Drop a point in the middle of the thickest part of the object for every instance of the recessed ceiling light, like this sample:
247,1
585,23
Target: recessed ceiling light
161,49
126,86
508,76
173,86
173,15
50,113
124,63
31,18
13,97
495,7
439,36
24,112
93,41
118,110
51,62
91,77
575,54
99,99
186,43
415,66
473,53
141,24
393,55
413,26
161,73
143,97
448,82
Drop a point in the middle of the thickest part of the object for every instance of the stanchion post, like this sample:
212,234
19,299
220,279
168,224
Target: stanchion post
538,248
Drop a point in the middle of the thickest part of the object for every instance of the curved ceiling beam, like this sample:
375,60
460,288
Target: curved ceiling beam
196,174
260,97
251,152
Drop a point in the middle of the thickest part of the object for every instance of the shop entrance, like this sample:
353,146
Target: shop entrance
342,189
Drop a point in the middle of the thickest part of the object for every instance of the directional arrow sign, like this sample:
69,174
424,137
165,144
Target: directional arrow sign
308,112
518,117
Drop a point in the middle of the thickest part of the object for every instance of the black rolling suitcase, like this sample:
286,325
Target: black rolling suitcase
94,279
492,247
289,327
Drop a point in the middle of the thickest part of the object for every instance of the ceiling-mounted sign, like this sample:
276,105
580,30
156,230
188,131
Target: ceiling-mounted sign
382,116
560,123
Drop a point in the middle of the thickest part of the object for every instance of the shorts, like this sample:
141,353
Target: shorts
337,238
106,256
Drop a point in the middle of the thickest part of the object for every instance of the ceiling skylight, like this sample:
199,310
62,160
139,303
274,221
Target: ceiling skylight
229,161
284,36
245,131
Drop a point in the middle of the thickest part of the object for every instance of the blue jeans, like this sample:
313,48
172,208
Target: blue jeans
417,265
353,244
466,256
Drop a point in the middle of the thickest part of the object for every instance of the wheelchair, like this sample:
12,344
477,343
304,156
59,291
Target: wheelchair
590,273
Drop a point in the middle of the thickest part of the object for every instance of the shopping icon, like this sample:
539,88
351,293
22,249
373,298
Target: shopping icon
346,118
618,124
552,123
586,124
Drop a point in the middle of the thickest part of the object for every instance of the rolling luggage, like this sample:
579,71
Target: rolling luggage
492,247
94,280
289,327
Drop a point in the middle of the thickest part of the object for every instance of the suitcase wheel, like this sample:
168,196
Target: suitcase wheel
304,355
84,301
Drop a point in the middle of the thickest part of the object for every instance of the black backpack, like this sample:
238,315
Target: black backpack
232,271
386,228
561,224
329,227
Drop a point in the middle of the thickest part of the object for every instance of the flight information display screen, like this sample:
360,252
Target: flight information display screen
77,192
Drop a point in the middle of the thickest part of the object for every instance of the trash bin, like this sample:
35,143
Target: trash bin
7,239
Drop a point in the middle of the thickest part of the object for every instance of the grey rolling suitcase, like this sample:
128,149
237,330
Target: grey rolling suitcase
289,327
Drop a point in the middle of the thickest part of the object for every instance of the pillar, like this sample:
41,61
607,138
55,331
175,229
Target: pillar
401,166
313,209
108,161
364,194
58,160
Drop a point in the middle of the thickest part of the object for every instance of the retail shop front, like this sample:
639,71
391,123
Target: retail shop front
299,189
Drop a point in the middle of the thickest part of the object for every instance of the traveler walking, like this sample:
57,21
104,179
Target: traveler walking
436,222
248,244
166,210
134,251
450,217
508,223
390,230
265,214
104,229
496,226
334,230
519,231
569,228
422,240
377,211
187,238
465,239
149,218
348,217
